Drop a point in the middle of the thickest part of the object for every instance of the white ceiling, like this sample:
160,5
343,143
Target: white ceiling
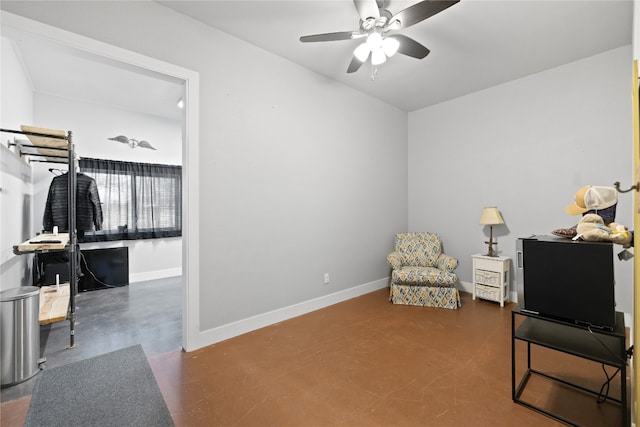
475,44
59,70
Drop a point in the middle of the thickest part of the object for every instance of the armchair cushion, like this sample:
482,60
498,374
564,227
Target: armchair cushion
430,276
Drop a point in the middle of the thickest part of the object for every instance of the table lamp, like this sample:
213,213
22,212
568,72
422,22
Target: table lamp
491,216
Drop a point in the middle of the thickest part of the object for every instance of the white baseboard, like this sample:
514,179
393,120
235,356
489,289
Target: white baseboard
465,287
244,326
154,275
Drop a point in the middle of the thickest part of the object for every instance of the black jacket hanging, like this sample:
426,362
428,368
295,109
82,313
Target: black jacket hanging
88,208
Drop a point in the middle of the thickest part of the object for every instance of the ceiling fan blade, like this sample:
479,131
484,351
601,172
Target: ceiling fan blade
367,9
420,11
355,65
410,47
329,37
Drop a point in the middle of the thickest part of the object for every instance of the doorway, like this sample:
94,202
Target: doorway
17,27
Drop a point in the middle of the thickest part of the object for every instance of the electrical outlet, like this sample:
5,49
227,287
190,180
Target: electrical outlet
326,278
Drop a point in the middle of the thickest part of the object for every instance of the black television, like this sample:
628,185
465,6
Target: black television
568,280
104,268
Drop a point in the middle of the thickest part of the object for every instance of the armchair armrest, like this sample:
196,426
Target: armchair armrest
395,259
446,263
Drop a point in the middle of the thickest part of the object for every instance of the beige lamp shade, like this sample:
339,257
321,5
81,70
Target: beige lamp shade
491,216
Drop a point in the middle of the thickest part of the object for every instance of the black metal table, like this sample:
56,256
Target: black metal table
606,347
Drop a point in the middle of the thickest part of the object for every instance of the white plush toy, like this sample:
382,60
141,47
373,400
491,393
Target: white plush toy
591,228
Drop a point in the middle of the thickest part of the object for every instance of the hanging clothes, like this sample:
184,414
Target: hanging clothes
88,207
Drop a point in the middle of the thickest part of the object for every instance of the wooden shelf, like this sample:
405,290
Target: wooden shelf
40,243
54,303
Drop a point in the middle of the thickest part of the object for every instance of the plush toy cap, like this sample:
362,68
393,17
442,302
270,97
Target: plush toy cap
592,198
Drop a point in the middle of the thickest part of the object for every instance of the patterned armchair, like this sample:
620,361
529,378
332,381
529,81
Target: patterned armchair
422,274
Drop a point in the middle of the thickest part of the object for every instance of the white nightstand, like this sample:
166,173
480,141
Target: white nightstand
491,278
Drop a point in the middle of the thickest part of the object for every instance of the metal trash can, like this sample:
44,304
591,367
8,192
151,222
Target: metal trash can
19,334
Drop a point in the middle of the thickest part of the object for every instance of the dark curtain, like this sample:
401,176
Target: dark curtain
139,200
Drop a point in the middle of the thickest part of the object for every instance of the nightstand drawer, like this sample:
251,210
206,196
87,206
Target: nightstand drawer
488,292
491,278
488,264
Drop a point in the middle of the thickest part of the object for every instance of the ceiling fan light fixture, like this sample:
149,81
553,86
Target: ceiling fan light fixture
378,56
390,46
362,52
374,41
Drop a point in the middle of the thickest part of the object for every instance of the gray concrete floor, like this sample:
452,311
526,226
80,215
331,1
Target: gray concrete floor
147,313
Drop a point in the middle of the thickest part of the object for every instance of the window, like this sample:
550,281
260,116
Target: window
139,200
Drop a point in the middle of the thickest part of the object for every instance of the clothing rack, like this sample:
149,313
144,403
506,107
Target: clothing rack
55,147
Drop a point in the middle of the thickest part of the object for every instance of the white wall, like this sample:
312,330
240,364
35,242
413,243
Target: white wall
16,103
299,174
16,108
91,125
525,146
15,181
636,29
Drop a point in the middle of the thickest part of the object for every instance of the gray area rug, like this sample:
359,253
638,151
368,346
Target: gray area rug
114,389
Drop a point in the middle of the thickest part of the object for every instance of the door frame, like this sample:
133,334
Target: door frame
635,108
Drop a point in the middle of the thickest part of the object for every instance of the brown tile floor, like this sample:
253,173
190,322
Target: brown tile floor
366,362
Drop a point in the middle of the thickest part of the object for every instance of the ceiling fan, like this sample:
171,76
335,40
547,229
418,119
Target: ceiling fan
376,25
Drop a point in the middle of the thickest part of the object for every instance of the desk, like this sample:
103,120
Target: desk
606,347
